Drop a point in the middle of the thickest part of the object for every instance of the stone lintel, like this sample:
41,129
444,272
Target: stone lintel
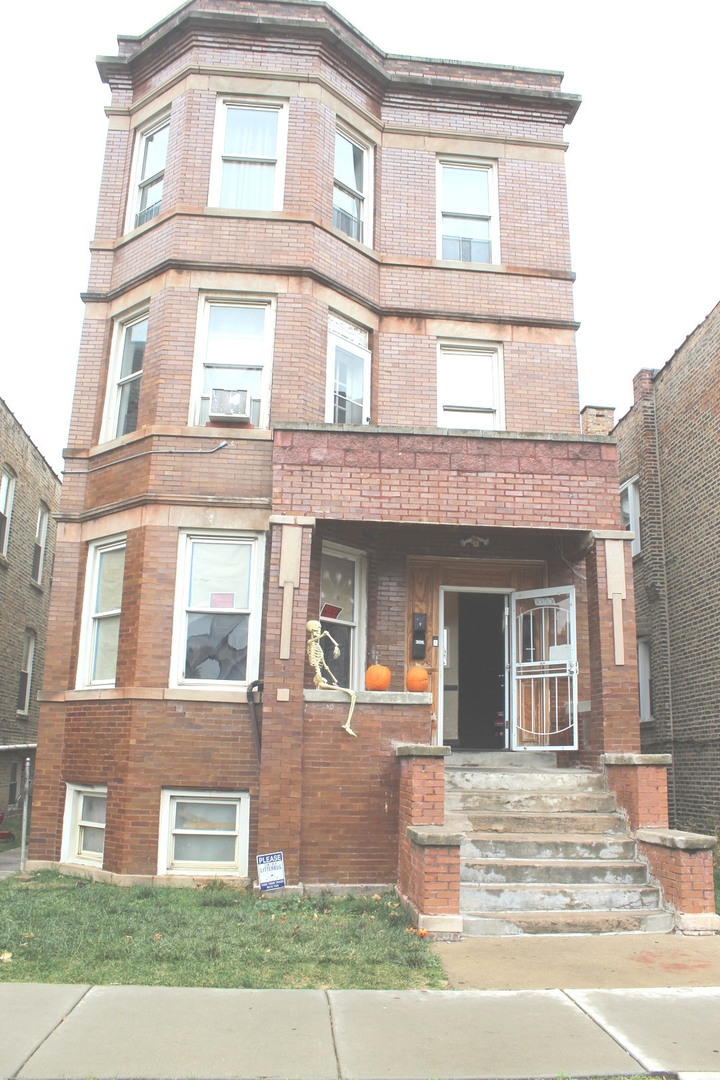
676,838
420,750
434,836
636,759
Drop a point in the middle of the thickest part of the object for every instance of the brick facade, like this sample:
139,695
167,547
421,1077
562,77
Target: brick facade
24,598
414,507
668,440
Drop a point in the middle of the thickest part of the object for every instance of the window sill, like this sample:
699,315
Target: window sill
368,697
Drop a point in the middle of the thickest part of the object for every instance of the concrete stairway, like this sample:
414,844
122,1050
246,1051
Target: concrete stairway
545,850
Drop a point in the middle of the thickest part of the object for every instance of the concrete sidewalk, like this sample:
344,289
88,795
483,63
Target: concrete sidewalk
76,1032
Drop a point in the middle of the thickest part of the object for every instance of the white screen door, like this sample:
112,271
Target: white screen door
543,669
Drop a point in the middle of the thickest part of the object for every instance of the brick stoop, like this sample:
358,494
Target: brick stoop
545,850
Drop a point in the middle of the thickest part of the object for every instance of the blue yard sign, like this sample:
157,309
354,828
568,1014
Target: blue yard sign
271,871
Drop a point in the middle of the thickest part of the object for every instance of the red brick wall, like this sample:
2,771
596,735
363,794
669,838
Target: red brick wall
686,877
641,790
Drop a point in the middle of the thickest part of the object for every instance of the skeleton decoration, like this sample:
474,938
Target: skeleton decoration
316,658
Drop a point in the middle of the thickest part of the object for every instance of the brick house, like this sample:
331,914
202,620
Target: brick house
669,458
291,224
29,497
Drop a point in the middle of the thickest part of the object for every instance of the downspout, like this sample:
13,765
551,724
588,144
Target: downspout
250,692
668,651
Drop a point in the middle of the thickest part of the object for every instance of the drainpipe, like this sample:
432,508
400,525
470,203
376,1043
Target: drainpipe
252,688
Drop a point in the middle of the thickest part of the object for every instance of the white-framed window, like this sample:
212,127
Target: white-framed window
342,612
347,394
148,173
99,633
470,386
26,667
204,832
234,354
467,212
84,824
38,558
248,170
218,609
352,187
7,492
630,511
644,678
128,359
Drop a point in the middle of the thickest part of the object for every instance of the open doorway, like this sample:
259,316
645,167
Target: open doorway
474,651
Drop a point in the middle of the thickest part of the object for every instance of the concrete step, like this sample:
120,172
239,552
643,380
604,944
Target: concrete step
459,778
555,897
485,845
502,923
546,871
535,760
574,802
550,823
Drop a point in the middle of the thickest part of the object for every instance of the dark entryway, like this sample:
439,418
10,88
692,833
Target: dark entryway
475,674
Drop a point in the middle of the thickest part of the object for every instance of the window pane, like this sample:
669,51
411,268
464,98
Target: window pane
207,815
466,190
346,213
155,152
134,348
348,163
128,407
467,379
216,647
340,667
208,849
233,378
93,809
220,575
110,579
107,633
247,186
337,586
251,133
349,387
235,334
92,840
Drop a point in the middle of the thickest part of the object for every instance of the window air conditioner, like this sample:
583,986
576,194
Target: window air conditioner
229,405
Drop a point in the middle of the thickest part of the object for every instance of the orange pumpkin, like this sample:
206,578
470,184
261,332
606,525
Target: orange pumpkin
417,679
377,677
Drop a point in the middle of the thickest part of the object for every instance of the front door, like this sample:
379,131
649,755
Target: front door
543,670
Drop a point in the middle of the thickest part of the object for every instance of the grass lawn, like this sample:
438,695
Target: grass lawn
59,929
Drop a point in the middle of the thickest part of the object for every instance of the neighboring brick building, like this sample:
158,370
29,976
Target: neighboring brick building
29,497
669,455
328,370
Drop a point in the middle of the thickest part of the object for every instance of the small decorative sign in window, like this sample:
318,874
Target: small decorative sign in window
330,611
222,600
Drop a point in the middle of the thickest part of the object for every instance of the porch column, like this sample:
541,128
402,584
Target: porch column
282,710
614,721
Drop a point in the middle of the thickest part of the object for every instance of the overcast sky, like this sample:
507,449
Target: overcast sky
643,168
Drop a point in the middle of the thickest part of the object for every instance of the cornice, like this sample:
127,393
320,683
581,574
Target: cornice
345,43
